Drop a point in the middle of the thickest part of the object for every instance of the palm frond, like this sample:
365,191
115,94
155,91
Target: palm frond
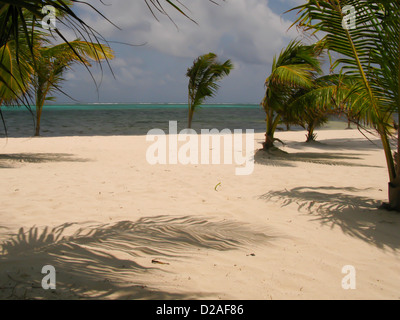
16,76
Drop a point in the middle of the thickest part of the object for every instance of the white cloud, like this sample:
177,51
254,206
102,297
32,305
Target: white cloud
249,32
245,30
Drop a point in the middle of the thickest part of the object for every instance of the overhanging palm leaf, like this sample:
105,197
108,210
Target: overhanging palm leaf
16,75
13,13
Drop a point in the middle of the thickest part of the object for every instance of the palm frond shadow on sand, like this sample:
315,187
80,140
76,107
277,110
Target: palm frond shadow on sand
11,160
99,261
355,215
359,144
278,158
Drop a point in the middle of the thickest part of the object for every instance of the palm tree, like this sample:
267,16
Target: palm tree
52,62
330,94
371,54
307,113
203,77
294,69
36,69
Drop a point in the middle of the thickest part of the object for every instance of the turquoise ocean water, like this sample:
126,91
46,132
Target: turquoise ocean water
109,119
129,119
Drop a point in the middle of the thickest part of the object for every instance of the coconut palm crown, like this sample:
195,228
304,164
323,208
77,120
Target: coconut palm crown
204,76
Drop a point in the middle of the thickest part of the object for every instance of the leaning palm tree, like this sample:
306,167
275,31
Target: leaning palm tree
52,62
371,53
204,76
294,69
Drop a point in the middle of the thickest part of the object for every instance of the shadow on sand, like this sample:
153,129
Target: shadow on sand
10,160
279,158
99,261
357,216
359,144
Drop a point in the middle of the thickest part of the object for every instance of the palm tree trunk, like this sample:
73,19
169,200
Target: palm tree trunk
39,108
269,142
269,135
272,124
191,113
388,155
38,117
41,95
394,181
310,134
394,194
394,186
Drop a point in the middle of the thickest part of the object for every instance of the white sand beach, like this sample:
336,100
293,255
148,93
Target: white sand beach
115,227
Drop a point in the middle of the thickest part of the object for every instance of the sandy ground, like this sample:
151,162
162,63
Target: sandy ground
115,227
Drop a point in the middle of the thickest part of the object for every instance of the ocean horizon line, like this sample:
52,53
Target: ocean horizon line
152,103
126,106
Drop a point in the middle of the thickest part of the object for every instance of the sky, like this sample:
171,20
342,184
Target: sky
152,68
